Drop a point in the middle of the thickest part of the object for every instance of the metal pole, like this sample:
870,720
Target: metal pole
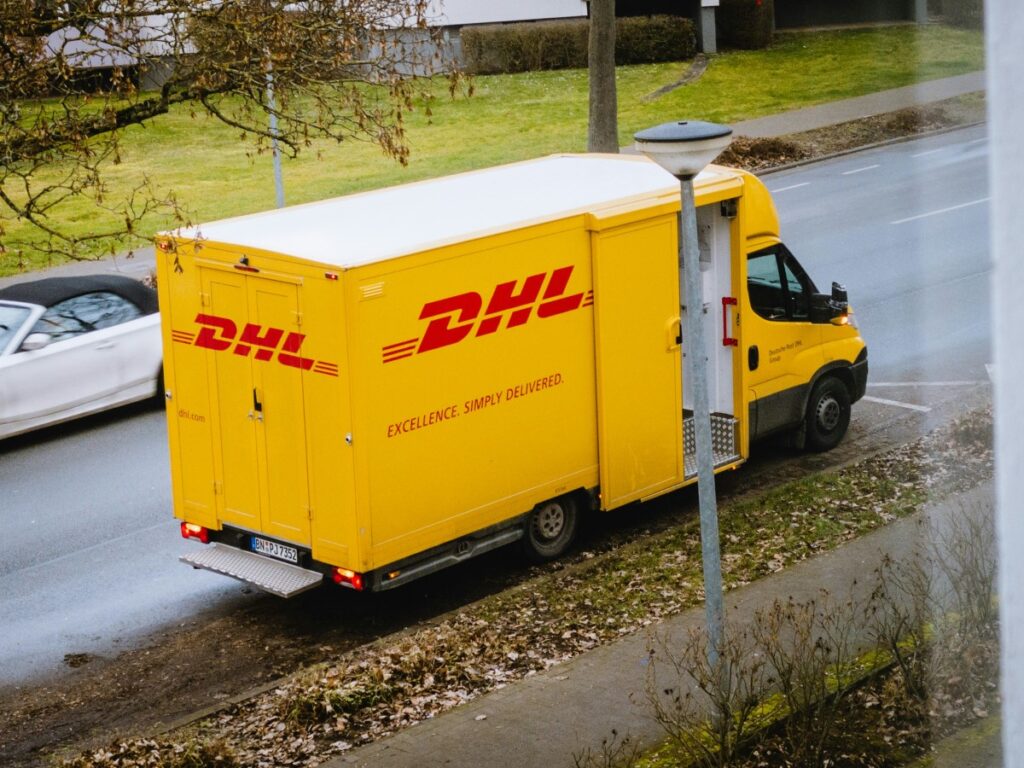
272,107
690,279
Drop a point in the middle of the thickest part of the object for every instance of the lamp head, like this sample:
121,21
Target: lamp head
683,148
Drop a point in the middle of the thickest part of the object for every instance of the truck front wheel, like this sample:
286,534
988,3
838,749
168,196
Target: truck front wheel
828,414
550,529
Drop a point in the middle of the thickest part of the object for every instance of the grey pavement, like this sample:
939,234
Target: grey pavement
835,112
830,113
550,718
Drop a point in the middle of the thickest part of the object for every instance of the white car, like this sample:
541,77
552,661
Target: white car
71,346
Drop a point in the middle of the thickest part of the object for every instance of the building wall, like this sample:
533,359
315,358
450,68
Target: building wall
459,12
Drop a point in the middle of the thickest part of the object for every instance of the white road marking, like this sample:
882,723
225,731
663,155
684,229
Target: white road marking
897,403
964,383
978,141
990,368
858,170
791,186
928,152
942,210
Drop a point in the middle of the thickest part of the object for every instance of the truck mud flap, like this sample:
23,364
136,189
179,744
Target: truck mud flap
281,579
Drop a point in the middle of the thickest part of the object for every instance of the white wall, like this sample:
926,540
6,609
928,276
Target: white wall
457,12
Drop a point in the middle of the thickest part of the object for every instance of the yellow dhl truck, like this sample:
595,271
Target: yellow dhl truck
371,388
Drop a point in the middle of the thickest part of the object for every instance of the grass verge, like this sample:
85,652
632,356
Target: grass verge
214,174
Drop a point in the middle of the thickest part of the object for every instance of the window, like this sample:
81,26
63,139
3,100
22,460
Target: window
11,318
777,285
88,312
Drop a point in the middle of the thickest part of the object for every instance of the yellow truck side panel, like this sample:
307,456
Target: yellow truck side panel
473,381
638,369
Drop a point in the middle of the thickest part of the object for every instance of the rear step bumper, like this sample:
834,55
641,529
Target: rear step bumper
282,579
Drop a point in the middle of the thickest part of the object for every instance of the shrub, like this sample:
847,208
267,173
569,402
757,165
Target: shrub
963,13
745,23
502,48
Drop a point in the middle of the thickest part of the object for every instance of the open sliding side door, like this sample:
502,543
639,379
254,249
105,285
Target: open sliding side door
639,397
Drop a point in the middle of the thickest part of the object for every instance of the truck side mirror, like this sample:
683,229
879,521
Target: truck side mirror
839,300
825,308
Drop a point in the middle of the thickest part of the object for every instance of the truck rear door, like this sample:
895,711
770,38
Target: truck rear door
252,326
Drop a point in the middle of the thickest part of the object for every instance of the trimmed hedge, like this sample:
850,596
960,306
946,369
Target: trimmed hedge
964,13
745,23
503,48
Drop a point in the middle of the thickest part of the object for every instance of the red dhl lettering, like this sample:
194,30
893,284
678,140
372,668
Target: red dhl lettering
220,333
455,318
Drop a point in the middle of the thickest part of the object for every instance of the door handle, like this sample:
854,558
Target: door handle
753,357
727,340
108,345
257,404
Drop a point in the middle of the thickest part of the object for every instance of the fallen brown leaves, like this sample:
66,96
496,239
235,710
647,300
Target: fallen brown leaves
366,694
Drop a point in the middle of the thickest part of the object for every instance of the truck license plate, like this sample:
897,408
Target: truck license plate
273,549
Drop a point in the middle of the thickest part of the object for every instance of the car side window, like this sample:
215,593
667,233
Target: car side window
764,285
85,313
11,318
777,285
799,297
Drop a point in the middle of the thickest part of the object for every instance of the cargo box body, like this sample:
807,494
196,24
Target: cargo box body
397,378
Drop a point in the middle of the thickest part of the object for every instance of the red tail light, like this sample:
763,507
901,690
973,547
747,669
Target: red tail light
193,531
347,578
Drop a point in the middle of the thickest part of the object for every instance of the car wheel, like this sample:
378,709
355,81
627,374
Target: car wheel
828,414
550,529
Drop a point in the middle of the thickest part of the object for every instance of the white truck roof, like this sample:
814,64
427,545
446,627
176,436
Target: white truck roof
374,226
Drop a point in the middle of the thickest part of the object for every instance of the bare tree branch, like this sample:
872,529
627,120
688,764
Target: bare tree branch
74,74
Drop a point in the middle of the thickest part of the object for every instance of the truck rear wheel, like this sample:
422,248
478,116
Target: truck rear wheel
828,414
550,529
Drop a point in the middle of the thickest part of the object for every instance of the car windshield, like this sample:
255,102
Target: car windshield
11,318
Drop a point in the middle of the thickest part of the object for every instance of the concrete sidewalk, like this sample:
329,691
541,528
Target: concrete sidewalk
835,112
831,113
547,719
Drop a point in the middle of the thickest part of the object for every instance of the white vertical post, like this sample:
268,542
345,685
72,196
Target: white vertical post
1005,66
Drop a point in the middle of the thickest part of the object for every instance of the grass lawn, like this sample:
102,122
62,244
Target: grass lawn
511,117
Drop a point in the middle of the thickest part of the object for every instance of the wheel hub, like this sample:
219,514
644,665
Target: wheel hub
549,522
829,413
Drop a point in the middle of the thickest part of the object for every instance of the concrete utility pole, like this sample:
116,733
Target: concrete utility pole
684,149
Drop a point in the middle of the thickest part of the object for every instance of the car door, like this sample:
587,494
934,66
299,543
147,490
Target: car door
79,370
783,346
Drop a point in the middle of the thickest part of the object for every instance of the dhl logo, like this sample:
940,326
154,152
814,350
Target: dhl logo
220,334
455,318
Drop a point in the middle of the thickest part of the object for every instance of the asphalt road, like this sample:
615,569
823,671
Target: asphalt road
88,555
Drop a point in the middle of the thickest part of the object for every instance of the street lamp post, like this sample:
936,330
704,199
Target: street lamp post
684,149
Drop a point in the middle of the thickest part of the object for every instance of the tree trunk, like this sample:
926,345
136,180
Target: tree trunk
604,124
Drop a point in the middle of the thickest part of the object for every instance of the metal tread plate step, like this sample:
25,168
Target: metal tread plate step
282,579
723,443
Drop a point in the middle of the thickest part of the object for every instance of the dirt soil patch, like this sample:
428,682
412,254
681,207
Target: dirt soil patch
763,154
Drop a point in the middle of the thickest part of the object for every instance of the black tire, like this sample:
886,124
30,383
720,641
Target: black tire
828,414
551,529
